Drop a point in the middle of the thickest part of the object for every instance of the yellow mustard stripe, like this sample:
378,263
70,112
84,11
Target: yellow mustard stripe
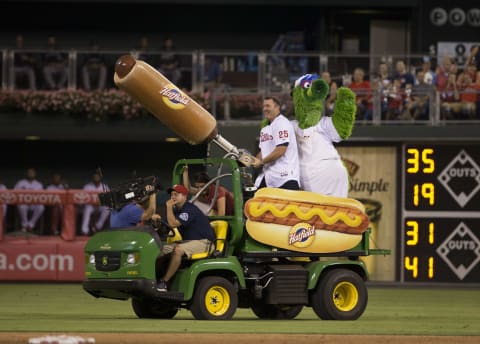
258,209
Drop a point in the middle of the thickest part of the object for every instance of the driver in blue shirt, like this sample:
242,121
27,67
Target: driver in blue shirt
193,225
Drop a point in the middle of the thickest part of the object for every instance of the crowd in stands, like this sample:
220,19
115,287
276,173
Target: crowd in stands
407,96
400,89
48,69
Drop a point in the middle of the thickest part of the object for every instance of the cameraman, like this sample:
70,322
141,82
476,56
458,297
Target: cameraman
136,212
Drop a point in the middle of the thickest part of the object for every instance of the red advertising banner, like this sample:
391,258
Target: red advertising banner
48,258
42,259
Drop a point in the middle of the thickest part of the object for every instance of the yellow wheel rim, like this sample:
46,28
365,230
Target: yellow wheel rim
345,296
217,300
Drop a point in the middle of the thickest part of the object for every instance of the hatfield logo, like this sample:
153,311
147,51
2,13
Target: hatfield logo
461,250
461,178
8,197
173,97
301,235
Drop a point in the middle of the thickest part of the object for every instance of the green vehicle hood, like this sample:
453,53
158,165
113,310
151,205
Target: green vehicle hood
125,239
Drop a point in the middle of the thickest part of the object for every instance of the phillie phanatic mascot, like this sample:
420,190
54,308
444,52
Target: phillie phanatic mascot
321,168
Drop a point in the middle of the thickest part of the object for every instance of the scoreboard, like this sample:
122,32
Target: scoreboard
440,214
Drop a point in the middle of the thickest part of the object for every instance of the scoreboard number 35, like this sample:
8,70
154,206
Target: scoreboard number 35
421,160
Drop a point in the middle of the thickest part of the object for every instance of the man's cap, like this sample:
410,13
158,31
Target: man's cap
178,188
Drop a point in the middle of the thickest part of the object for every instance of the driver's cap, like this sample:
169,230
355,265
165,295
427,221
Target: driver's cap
178,188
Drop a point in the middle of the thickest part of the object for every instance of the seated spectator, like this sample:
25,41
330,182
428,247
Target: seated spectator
384,78
29,213
94,69
382,84
332,94
4,206
56,210
470,71
443,71
363,90
403,75
55,63
212,73
474,56
24,66
419,106
468,90
143,51
429,76
396,98
450,98
168,62
95,185
224,203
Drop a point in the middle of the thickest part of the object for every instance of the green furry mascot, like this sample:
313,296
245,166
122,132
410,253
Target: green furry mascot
321,168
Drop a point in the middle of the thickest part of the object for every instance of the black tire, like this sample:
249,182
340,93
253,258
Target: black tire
214,299
340,295
264,311
145,308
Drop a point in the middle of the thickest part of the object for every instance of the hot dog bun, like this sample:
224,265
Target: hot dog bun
305,221
164,100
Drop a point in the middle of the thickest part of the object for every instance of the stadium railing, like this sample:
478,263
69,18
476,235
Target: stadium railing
245,77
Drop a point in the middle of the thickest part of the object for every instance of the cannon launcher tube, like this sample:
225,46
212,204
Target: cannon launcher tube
171,106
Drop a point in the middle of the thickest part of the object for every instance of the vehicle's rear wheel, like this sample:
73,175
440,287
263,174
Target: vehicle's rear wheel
340,295
264,311
214,299
145,308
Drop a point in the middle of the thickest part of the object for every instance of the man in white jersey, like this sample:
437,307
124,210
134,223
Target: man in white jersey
95,185
278,149
56,210
36,210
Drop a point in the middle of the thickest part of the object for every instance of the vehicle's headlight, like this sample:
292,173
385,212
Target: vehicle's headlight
91,259
133,258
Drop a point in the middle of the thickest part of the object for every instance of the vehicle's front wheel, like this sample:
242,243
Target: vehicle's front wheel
214,299
340,295
144,308
265,311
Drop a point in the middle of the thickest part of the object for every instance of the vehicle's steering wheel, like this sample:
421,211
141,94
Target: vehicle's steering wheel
164,227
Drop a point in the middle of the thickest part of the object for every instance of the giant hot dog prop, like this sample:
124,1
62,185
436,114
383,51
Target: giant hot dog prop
305,221
171,106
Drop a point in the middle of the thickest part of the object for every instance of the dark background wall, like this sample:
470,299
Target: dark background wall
194,24
77,161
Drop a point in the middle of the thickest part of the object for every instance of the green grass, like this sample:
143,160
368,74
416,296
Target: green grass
412,311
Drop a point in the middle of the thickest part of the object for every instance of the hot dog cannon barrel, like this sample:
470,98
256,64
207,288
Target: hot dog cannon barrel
171,106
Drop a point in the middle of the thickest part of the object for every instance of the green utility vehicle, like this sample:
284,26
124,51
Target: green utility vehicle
238,271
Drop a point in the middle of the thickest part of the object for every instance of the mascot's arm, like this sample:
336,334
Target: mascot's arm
344,112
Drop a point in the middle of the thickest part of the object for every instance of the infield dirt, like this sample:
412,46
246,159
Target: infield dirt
205,338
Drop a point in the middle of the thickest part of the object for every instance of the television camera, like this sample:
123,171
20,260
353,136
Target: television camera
138,190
